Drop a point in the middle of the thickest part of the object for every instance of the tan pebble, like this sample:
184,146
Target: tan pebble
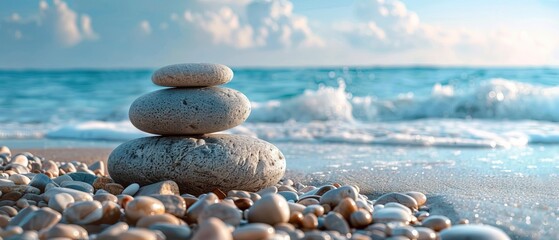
360,218
376,227
196,209
189,201
406,231
147,221
420,198
307,189
286,227
98,168
403,199
20,159
143,206
317,210
346,207
385,215
131,189
85,212
113,231
436,222
268,190
308,202
23,215
310,221
174,204
77,195
463,221
5,150
9,210
138,234
295,207
225,212
60,201
19,179
424,233
11,231
220,194
335,221
22,203
4,220
113,188
334,196
243,203
100,182
68,167
239,194
163,187
286,188
327,208
12,196
296,218
473,231
68,231
105,197
123,200
212,228
271,209
61,172
254,231
41,219
111,213
50,167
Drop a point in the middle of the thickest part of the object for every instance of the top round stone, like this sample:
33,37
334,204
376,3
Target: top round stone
192,75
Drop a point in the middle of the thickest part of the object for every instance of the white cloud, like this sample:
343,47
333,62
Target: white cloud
145,27
260,23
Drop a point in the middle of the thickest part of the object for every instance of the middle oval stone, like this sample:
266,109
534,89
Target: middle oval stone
185,111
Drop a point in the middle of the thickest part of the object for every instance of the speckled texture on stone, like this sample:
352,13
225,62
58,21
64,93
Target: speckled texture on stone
186,111
192,75
199,165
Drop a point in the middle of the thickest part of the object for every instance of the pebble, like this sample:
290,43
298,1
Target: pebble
60,179
346,207
131,189
83,213
271,209
243,203
111,213
20,159
147,221
102,197
267,191
212,228
143,206
225,212
335,221
40,219
83,177
317,210
98,168
473,231
424,233
334,196
196,209
174,204
420,198
436,222
163,188
398,198
192,75
138,234
19,179
77,185
113,231
4,150
40,181
254,231
77,195
66,231
113,188
60,201
386,215
185,111
172,231
360,218
101,181
309,221
405,231
232,156
50,167
289,196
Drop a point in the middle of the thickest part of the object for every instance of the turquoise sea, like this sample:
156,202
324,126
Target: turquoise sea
483,141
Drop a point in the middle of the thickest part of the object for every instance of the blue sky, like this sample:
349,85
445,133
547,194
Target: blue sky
150,33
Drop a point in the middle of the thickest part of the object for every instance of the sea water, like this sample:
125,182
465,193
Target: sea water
485,139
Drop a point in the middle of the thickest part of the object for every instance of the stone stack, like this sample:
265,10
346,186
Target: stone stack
186,152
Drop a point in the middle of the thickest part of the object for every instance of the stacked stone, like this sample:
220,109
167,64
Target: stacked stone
185,116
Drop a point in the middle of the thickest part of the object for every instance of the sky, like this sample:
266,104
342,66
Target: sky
60,34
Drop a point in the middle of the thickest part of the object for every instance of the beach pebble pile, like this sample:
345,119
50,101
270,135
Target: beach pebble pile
44,199
185,115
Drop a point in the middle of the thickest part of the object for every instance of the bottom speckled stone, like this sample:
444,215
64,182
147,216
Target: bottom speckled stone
198,165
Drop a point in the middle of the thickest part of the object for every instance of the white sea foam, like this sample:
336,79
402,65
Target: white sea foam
97,130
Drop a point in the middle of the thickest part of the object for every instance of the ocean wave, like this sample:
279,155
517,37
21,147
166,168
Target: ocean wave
493,99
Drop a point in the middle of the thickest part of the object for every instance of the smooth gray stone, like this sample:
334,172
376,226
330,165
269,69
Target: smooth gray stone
77,185
473,231
199,165
289,195
83,177
172,231
192,75
187,111
40,181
